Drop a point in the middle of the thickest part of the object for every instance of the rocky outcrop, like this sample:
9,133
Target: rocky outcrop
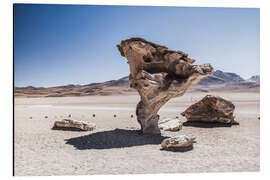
211,109
169,124
67,124
158,74
182,142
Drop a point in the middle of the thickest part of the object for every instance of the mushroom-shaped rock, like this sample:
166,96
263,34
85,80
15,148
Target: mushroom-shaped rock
158,74
211,109
67,124
181,142
169,124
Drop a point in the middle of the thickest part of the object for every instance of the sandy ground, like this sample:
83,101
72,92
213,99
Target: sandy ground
115,147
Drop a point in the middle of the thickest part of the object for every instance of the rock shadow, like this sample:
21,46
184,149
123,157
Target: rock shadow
182,149
208,124
67,129
118,138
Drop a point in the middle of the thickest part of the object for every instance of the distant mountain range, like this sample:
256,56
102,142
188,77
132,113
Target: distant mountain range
219,81
220,77
255,79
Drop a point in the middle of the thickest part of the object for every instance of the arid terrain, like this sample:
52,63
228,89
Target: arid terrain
219,81
115,147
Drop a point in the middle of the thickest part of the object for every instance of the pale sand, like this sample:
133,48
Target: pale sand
108,150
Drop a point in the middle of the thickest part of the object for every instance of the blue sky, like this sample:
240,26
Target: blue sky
76,44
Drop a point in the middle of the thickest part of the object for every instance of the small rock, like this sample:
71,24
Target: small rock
211,109
67,124
114,115
94,115
69,115
178,143
46,116
30,117
169,124
131,116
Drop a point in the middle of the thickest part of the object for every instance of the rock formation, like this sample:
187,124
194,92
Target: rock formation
182,142
158,74
67,124
169,124
211,109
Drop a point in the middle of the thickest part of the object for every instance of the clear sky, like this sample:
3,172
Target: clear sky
76,44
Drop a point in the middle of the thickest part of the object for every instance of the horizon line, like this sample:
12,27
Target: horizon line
105,81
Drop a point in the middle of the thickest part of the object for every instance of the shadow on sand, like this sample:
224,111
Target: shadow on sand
209,124
67,129
117,138
183,149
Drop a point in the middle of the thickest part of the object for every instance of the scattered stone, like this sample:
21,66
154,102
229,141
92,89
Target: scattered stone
158,74
46,116
178,143
132,128
69,115
94,115
176,117
30,117
169,124
68,124
211,109
259,117
114,115
131,116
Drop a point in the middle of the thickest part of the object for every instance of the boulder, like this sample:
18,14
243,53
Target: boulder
68,124
211,109
158,74
170,124
178,143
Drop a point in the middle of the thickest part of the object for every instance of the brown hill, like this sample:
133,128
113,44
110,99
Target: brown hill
219,81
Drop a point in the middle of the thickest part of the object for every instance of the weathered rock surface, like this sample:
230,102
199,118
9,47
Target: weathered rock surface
182,142
67,124
158,74
211,109
169,124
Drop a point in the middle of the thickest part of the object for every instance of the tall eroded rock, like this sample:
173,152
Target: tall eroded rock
158,74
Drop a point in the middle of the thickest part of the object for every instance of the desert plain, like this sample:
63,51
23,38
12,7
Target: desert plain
116,147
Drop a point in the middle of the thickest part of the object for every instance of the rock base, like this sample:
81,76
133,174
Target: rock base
169,124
